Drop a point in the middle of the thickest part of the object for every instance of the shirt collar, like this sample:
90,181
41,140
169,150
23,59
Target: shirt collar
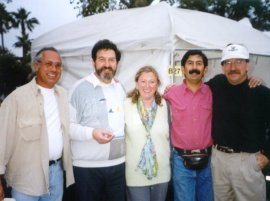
202,89
37,90
96,82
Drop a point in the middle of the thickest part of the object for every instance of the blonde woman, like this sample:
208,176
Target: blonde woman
147,139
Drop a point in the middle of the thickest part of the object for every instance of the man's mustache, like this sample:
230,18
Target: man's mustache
194,71
234,72
106,68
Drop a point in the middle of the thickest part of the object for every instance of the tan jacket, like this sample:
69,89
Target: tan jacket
24,150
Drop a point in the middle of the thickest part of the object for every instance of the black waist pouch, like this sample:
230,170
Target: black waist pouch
195,161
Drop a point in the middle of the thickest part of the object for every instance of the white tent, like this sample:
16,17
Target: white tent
153,35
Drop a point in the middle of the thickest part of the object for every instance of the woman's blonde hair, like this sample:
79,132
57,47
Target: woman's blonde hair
134,94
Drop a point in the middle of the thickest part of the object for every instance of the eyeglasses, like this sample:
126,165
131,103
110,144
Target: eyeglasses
236,62
50,64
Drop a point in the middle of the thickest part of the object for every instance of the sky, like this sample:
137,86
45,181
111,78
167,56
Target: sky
50,14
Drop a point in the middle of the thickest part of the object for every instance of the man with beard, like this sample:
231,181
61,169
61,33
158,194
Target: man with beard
240,116
97,129
191,107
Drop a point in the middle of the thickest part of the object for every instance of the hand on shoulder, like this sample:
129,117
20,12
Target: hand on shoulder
254,82
168,87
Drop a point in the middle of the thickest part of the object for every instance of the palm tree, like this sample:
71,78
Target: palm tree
25,43
6,22
25,23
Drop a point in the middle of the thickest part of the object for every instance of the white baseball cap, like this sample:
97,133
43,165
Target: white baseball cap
234,51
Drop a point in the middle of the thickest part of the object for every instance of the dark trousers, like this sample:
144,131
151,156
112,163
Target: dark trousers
97,184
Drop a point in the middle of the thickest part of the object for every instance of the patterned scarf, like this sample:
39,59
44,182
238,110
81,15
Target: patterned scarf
148,159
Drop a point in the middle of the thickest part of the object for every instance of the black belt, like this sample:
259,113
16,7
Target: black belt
52,162
226,149
194,151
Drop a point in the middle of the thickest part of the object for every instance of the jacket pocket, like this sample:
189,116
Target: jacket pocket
30,129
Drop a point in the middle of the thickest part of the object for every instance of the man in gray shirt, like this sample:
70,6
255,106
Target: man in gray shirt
97,129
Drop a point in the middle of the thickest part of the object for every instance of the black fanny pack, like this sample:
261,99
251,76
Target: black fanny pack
195,159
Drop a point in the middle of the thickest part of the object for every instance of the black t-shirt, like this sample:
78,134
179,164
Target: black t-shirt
240,115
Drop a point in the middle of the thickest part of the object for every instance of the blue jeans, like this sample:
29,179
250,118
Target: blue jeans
155,192
191,185
55,187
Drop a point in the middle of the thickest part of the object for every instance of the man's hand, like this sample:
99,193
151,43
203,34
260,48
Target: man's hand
2,193
102,136
254,82
168,88
262,160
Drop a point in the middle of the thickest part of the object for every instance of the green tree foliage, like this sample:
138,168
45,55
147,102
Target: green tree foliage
135,3
261,18
258,11
25,24
23,21
13,73
25,43
91,7
6,22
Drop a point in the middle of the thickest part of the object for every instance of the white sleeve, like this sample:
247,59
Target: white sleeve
77,131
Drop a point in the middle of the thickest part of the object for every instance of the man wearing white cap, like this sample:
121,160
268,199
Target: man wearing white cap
240,114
